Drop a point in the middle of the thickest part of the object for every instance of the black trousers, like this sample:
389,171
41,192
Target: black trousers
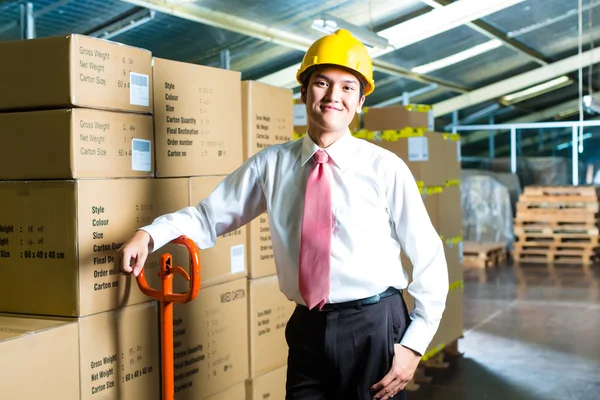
339,355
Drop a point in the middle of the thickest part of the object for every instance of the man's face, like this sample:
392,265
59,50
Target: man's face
332,97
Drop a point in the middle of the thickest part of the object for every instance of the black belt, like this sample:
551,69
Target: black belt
358,303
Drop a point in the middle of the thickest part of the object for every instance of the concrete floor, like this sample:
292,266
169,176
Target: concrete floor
530,332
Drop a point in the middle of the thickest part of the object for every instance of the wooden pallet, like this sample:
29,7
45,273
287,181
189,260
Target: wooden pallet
551,228
562,257
566,239
562,191
554,219
564,208
482,255
555,247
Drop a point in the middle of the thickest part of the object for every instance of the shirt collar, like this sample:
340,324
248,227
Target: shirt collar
339,151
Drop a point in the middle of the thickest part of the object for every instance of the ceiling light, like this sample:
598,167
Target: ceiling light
442,19
536,90
329,24
458,57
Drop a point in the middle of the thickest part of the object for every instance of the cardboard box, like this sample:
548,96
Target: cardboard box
452,159
237,392
75,70
108,356
75,143
59,240
267,115
268,386
269,312
211,341
198,119
451,325
119,354
226,261
432,205
450,212
422,154
396,118
31,351
454,260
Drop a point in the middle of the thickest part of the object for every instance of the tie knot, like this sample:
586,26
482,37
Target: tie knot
321,156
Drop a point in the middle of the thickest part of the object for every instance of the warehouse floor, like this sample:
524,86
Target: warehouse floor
531,332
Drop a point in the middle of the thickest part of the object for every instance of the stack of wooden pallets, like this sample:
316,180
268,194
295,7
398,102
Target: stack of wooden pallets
557,224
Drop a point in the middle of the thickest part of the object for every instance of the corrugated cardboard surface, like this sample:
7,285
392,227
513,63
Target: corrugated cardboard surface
197,119
31,350
119,354
75,70
269,311
452,163
450,212
59,240
75,143
396,118
451,326
432,205
109,356
268,386
226,261
422,154
267,115
211,341
237,392
453,256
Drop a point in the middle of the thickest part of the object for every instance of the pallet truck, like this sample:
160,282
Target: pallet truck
166,297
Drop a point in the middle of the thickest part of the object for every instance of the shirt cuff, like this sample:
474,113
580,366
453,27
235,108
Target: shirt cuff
418,336
161,234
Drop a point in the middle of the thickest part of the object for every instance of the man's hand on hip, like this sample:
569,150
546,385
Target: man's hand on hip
403,368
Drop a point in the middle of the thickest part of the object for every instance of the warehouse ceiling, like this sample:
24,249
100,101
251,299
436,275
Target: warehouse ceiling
457,57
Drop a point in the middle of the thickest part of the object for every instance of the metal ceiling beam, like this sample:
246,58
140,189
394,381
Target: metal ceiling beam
544,115
204,15
493,33
516,83
36,14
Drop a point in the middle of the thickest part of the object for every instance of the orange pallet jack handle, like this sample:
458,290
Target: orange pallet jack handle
167,298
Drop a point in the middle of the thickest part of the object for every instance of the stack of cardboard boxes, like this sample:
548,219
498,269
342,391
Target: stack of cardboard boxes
434,160
76,166
99,139
268,119
198,133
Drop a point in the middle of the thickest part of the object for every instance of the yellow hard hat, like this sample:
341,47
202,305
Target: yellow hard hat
340,48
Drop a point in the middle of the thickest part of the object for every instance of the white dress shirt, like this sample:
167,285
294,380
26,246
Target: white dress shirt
377,211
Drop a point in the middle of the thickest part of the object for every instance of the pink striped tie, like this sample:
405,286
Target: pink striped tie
315,241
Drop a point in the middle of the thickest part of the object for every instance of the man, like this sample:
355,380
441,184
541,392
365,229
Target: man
340,211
